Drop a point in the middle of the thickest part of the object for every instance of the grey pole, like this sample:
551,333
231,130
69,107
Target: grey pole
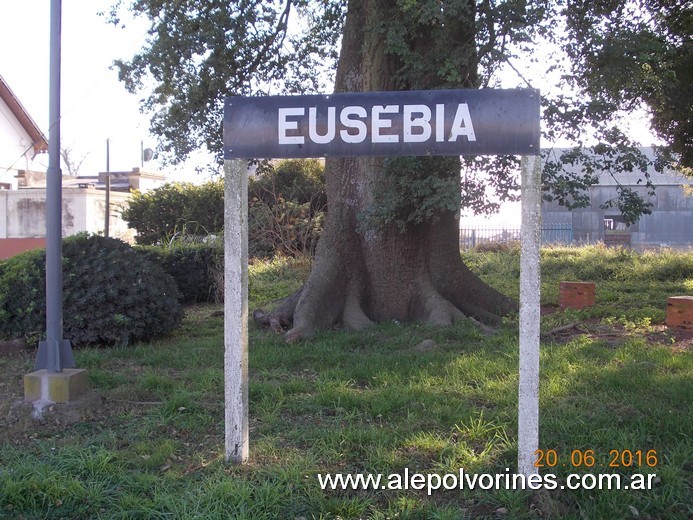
54,353
107,223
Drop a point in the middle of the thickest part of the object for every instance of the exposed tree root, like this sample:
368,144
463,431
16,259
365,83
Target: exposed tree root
353,317
429,307
322,299
282,317
485,329
457,283
356,282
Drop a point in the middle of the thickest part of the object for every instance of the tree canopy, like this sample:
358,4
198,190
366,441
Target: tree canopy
606,59
628,53
389,249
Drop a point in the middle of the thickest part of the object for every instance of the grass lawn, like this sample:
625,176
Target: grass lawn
616,387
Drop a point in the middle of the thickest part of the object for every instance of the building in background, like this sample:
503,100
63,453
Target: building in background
21,140
23,190
669,225
23,210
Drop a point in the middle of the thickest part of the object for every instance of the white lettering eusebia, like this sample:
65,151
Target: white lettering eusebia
285,125
422,122
313,126
356,124
379,123
419,124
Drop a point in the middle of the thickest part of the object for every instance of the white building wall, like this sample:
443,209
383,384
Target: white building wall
26,213
83,211
75,200
118,226
3,213
16,151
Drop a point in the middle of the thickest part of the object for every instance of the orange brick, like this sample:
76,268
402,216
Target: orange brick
576,295
680,312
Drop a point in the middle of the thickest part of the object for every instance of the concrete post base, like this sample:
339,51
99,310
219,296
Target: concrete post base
59,387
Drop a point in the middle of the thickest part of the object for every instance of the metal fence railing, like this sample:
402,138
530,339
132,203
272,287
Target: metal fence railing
561,233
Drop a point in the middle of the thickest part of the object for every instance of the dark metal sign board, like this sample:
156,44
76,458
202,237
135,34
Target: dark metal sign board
435,122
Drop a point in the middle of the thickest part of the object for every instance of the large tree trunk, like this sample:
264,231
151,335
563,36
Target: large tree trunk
386,273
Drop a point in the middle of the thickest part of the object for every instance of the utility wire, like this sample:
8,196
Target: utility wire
62,115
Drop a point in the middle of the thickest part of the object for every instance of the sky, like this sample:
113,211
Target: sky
95,106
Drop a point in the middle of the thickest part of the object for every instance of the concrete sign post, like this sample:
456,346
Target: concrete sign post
236,309
438,122
530,316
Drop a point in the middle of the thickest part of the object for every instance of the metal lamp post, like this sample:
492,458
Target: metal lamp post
55,353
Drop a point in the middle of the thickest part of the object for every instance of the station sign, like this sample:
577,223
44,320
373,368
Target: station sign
406,123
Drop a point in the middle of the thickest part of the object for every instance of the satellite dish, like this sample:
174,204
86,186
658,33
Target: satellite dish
147,154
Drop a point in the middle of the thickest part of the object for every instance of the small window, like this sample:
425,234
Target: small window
615,223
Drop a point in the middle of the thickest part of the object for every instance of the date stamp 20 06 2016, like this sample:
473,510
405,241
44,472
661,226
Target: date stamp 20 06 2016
624,458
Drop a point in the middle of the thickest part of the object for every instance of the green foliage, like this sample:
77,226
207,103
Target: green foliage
287,205
285,228
614,156
413,190
633,52
200,53
298,180
23,295
173,209
621,277
431,54
111,295
608,58
197,268
366,402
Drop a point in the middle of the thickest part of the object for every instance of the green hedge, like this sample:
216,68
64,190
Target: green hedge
286,208
196,268
111,295
176,209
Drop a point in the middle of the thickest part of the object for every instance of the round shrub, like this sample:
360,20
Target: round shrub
194,267
23,295
111,295
297,180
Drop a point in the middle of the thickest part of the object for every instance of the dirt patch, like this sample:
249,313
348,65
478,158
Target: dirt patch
12,348
22,422
25,421
549,309
679,340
